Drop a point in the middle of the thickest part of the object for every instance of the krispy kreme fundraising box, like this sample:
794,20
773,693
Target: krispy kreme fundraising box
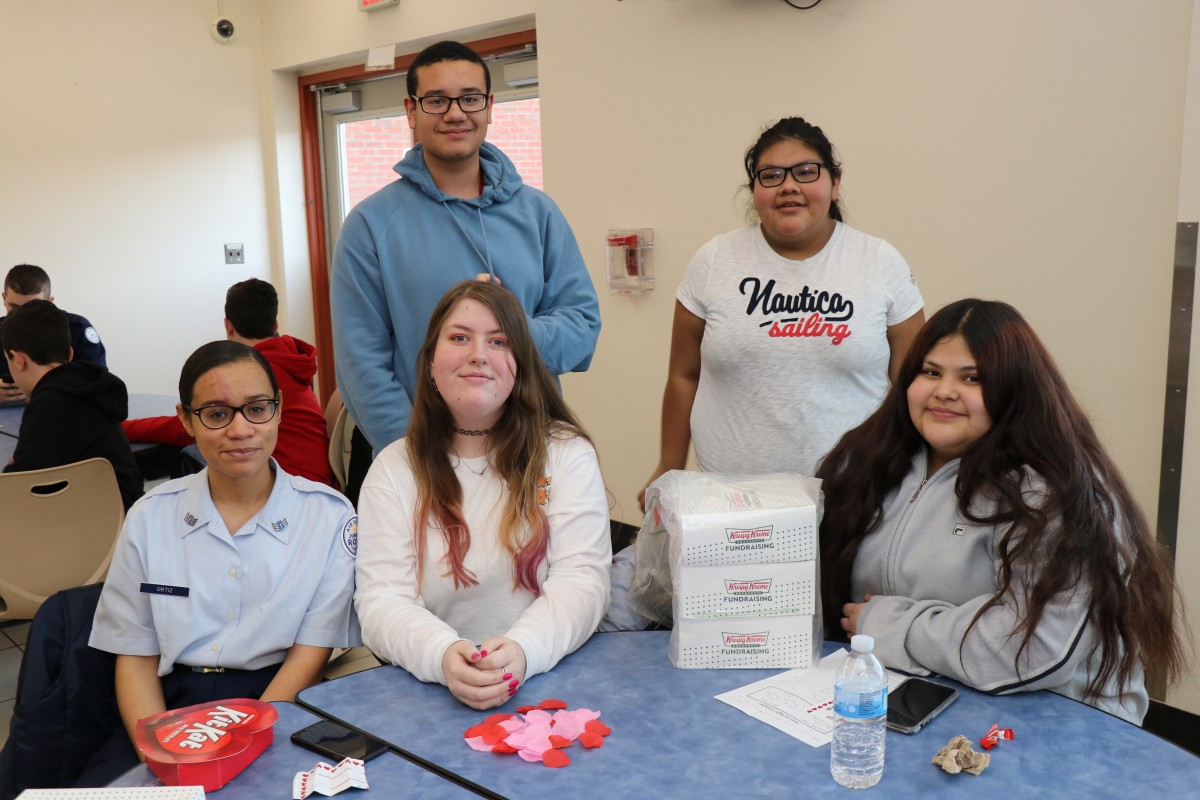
734,557
719,519
762,590
742,642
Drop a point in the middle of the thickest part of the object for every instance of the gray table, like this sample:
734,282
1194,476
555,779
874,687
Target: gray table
271,774
670,738
140,405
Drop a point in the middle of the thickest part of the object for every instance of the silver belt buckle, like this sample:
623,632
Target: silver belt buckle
206,670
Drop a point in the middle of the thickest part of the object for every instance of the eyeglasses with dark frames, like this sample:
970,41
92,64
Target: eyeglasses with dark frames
804,172
440,103
217,417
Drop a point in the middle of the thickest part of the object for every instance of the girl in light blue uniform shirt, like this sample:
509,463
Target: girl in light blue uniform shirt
234,582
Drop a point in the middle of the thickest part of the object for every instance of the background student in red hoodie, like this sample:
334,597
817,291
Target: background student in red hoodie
251,311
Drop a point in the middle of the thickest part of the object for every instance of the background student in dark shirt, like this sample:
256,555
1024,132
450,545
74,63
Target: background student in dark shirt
75,408
26,282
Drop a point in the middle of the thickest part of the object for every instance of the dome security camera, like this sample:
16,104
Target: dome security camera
221,30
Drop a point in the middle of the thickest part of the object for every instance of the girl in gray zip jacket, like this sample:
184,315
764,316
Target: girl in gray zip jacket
976,528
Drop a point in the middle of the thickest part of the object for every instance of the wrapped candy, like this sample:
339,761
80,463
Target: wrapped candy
995,734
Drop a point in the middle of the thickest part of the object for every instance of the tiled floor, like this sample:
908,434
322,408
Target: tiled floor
12,643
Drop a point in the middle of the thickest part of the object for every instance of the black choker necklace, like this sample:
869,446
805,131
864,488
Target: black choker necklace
465,432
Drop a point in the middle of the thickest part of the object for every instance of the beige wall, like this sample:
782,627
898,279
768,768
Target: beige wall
978,138
131,150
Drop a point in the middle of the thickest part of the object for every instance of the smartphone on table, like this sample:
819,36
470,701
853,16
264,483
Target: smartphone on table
915,702
337,741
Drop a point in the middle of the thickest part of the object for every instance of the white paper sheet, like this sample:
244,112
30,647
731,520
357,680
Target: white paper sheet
117,793
798,702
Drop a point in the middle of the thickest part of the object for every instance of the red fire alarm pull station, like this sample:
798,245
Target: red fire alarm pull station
630,260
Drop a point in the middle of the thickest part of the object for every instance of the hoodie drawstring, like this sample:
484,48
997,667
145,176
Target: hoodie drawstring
486,255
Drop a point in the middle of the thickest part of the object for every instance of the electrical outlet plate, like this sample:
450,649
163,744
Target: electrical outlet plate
235,254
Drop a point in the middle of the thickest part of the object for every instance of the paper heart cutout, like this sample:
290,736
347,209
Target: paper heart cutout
536,735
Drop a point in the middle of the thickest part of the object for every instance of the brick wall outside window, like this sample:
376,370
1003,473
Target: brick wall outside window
374,145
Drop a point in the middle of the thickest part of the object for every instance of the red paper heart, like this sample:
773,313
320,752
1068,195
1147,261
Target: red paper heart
494,734
555,758
478,730
591,740
503,747
552,704
559,742
597,727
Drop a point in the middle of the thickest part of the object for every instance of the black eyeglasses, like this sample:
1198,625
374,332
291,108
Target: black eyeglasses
804,172
217,417
440,103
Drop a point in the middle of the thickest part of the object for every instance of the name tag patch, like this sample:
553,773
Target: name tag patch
163,588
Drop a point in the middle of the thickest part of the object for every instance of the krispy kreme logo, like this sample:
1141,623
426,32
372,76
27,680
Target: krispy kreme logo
739,535
745,639
747,587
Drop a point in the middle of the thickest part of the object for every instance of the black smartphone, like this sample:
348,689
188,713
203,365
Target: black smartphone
338,742
915,702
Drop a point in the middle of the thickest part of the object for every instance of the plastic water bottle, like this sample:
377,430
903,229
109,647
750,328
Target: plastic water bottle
859,717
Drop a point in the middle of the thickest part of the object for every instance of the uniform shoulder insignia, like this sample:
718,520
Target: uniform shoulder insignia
90,334
350,536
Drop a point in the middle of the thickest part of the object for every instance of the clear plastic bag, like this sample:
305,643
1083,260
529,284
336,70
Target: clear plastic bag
698,522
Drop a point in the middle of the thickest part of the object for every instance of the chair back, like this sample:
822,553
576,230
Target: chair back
1181,728
60,530
339,446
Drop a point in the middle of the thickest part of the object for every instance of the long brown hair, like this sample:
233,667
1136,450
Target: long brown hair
534,412
1089,527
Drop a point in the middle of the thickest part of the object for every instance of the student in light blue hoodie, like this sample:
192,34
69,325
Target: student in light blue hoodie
459,211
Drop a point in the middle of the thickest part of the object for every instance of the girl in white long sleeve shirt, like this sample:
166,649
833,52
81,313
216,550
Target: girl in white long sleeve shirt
484,547
413,627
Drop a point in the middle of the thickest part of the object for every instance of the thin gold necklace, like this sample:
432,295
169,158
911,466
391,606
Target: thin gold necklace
463,461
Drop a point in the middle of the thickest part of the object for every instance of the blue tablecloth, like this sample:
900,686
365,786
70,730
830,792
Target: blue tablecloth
671,739
270,775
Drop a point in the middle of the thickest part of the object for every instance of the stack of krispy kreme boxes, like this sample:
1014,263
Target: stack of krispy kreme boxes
743,564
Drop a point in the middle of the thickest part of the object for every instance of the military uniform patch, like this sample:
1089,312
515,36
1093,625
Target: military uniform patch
350,536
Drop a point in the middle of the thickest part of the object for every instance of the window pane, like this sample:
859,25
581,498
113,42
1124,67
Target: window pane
370,147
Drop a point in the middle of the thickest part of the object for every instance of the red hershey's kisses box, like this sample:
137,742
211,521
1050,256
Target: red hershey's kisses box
206,744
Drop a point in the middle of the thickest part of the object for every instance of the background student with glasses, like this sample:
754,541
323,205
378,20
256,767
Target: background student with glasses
459,212
786,330
233,582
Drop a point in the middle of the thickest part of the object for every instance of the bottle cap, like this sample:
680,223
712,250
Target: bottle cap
861,643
